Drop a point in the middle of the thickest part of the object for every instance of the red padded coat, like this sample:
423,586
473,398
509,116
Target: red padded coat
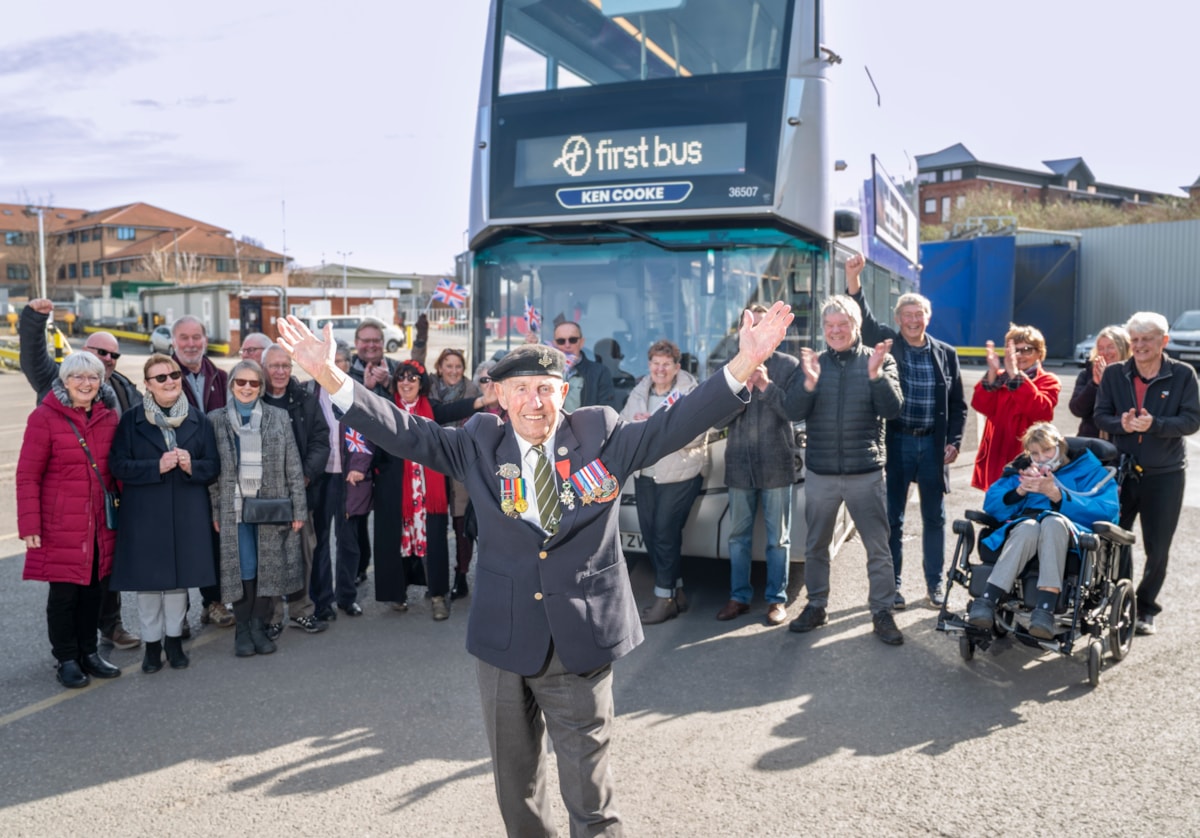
1009,414
58,496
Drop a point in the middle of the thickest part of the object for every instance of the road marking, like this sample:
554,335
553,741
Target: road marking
67,695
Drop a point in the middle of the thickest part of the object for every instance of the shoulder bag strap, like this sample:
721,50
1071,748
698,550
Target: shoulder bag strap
87,451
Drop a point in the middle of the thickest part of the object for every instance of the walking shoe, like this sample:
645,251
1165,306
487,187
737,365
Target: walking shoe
1041,623
733,608
352,610
898,603
1145,625
98,667
776,614
273,630
659,611
885,628
402,605
810,618
119,638
328,614
441,611
310,624
217,614
937,596
982,613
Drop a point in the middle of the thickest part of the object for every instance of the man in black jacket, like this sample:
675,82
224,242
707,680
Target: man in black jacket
926,437
1147,405
312,438
41,371
844,394
591,382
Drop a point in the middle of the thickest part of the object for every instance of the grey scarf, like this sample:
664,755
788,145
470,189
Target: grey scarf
250,468
166,422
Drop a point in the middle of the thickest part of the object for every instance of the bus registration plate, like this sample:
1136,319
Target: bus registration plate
633,541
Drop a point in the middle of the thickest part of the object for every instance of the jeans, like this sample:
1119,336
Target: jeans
663,509
777,516
920,459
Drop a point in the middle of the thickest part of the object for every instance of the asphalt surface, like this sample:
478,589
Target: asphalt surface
373,728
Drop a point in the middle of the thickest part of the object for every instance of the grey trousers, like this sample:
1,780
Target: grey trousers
1048,539
865,497
161,613
577,711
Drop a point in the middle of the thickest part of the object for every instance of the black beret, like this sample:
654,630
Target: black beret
529,360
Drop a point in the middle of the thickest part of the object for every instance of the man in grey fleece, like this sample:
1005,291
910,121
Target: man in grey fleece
844,394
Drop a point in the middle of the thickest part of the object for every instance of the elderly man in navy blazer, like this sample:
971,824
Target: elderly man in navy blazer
552,607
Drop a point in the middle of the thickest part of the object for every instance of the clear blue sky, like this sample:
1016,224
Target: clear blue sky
359,115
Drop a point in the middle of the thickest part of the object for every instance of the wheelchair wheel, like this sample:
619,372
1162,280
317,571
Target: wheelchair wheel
966,647
1095,660
1121,620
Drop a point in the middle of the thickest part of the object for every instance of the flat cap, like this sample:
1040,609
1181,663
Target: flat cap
529,360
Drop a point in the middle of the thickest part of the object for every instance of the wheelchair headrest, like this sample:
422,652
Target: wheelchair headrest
1104,450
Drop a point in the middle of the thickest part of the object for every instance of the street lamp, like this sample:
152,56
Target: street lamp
345,254
40,213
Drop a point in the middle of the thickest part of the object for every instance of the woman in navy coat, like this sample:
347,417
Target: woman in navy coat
165,455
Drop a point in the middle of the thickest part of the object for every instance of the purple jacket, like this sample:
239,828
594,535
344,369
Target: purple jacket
358,497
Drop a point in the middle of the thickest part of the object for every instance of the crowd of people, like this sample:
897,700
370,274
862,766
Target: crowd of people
256,489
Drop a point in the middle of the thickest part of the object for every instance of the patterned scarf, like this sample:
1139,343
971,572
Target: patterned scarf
250,467
166,422
424,491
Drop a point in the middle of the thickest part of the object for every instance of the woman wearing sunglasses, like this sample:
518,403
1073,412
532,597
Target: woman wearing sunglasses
165,456
412,504
259,460
1015,393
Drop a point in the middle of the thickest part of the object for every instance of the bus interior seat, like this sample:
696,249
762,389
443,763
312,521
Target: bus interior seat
603,319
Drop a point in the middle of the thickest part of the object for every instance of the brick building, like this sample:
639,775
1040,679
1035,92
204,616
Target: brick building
946,177
86,250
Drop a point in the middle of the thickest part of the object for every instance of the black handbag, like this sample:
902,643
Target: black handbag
112,500
267,511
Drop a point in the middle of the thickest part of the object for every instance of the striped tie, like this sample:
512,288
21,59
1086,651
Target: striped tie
543,491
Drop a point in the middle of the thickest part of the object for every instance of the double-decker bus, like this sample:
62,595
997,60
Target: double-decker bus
651,168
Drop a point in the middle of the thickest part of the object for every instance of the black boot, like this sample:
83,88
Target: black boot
460,588
263,645
983,610
152,658
71,676
243,646
175,654
1041,621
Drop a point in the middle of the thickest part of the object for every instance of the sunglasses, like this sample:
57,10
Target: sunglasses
103,353
408,375
162,378
247,382
1024,350
565,341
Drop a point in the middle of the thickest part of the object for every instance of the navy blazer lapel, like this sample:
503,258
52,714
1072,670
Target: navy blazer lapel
566,449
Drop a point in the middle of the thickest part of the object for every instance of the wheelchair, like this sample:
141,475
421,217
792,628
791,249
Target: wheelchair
1096,605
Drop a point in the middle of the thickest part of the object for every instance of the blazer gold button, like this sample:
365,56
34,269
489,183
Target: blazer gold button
543,554
538,595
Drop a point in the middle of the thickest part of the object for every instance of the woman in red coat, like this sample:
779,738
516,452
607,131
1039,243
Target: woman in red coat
1012,396
60,511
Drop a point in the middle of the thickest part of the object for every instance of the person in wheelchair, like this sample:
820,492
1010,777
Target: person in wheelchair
1046,497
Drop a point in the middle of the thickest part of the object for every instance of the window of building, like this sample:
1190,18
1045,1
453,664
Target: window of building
960,201
930,206
84,236
72,271
14,239
124,267
946,208
1072,185
18,272
226,266
70,238
111,268
87,269
951,174
96,269
126,234
927,177
1091,190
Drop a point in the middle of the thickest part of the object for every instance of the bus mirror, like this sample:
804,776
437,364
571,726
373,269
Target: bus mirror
846,223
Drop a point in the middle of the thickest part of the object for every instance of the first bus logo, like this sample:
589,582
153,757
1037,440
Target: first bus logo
576,157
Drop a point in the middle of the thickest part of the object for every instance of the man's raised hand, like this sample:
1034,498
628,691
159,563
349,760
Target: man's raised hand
878,356
757,339
314,355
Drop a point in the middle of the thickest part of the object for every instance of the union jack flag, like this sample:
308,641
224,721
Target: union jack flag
671,398
355,443
451,293
533,317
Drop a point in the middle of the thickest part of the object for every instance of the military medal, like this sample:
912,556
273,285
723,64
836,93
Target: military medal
512,497
509,471
567,496
595,483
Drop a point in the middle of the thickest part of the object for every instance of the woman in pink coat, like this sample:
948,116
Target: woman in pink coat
60,511
1012,396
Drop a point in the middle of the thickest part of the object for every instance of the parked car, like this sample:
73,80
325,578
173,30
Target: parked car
1084,349
160,340
344,326
1184,344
